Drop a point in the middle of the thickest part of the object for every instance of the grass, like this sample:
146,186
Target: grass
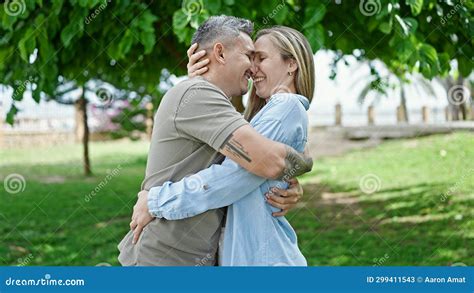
420,212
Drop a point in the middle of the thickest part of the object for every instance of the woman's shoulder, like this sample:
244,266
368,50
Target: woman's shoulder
281,105
289,112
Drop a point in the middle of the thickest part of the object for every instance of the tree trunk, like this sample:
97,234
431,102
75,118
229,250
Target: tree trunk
403,103
454,114
82,130
149,120
463,107
79,126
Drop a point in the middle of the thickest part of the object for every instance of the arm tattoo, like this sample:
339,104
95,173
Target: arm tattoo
295,164
237,149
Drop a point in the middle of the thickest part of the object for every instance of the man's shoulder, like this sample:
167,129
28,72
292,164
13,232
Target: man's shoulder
197,84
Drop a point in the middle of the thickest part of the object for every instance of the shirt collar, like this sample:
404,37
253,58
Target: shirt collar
301,98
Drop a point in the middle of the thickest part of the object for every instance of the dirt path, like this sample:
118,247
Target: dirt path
325,142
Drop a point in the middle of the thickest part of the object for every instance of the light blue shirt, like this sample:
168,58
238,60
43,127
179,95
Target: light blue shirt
252,237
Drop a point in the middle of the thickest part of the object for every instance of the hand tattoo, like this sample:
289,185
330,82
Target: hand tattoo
296,164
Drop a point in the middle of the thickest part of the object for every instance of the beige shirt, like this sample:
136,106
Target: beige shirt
193,121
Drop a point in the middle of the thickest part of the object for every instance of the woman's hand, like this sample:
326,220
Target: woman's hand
196,68
285,199
141,216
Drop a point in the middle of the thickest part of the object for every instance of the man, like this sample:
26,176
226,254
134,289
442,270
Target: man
195,126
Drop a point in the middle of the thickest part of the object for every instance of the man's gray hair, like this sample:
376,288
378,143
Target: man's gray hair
221,28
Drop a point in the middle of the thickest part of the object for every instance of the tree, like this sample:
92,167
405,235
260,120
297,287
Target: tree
42,44
379,85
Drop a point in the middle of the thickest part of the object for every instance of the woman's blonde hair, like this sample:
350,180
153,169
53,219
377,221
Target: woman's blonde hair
292,45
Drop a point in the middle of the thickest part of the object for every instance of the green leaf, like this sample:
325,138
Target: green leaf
57,6
148,40
11,114
315,37
74,28
464,66
126,43
405,30
429,62
36,94
7,21
145,22
198,19
213,6
415,5
5,54
411,23
281,15
27,44
444,63
404,48
180,20
385,27
429,53
19,90
314,14
45,50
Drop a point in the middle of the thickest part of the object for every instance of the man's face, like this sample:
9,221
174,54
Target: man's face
239,64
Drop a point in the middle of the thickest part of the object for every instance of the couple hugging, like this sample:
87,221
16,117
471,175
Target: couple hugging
218,184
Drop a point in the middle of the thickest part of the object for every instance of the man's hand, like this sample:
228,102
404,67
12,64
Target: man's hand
285,199
196,68
141,216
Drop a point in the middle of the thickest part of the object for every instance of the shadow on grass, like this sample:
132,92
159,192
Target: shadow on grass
407,225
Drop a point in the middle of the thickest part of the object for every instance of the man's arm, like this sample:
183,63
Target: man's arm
264,157
211,188
215,187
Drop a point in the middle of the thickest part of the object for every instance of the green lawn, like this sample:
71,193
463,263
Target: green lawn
420,212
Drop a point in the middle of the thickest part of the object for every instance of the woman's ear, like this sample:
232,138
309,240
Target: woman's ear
218,52
292,66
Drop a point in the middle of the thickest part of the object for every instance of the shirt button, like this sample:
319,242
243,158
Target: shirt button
205,187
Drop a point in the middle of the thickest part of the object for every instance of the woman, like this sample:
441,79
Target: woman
283,86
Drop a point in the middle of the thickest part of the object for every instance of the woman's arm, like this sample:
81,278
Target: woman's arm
215,187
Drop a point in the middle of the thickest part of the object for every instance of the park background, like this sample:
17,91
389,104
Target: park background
391,124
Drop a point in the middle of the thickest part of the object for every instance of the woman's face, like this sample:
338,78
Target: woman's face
270,71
